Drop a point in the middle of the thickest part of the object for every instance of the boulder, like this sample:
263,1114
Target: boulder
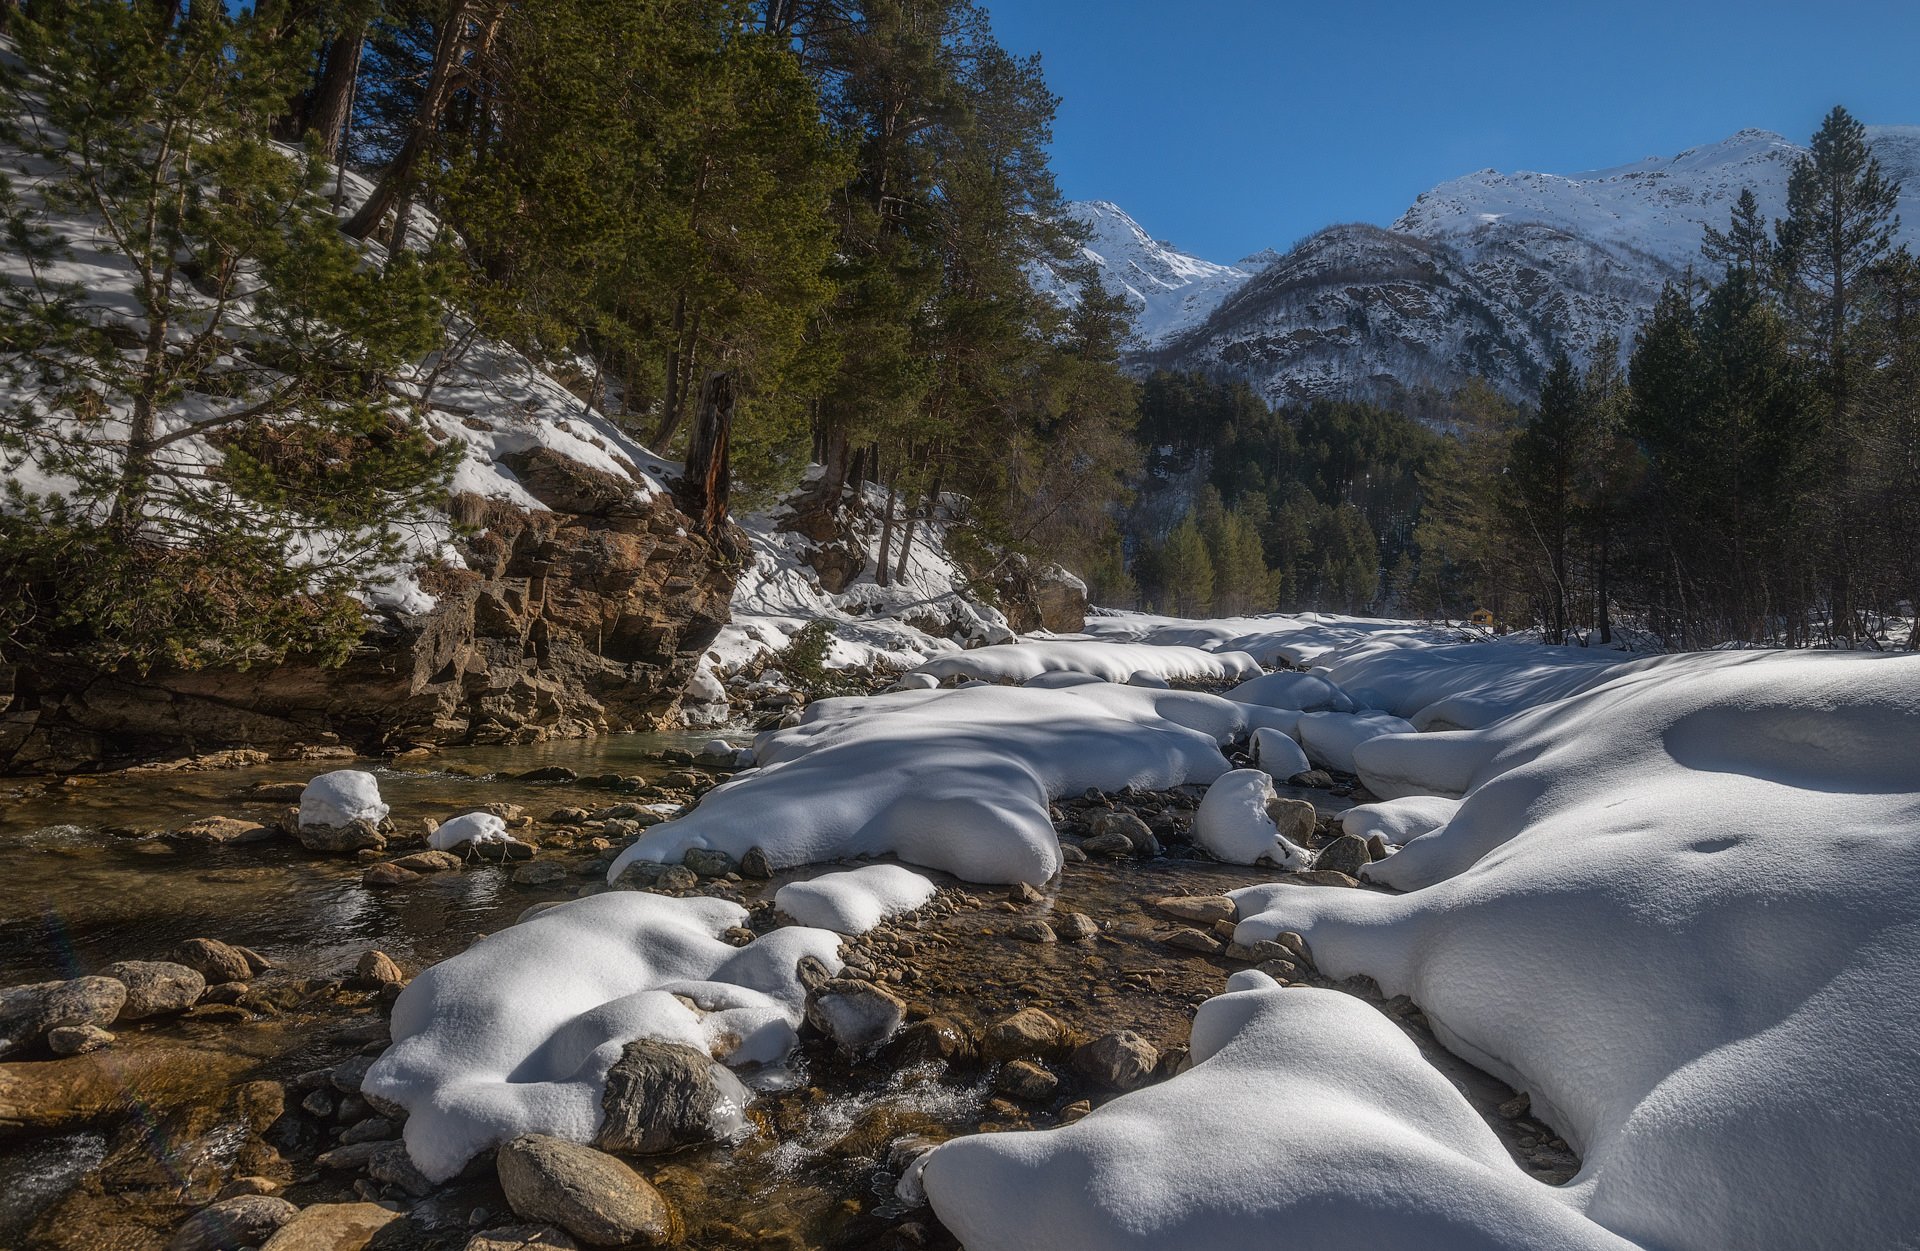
225,831
1027,1034
754,865
857,1015
1025,1080
1131,827
333,1227
341,798
341,840
156,987
1346,854
591,1195
77,1040
1121,1060
377,969
1296,819
212,959
231,1224
28,1012
1197,909
662,1096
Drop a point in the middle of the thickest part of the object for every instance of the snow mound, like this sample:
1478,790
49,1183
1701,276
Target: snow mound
1110,662
1233,824
1682,911
956,780
1331,737
1307,1120
1277,755
1399,820
516,1034
1298,639
341,798
478,828
856,900
1306,692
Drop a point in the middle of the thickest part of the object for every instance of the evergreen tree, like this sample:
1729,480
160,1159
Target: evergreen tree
1744,246
1187,573
1540,488
209,487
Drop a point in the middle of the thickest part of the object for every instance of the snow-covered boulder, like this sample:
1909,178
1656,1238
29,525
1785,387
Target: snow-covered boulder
1330,737
956,780
853,901
477,828
1399,820
1682,911
1308,1119
516,1035
1288,688
1235,822
1276,754
1110,662
341,798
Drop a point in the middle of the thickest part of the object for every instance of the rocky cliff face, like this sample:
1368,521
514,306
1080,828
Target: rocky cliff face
586,619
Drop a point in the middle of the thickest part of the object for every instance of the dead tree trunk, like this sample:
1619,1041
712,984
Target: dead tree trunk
399,175
706,482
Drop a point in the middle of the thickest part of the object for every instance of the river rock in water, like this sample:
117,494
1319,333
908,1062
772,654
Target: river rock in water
586,1192
333,1227
229,1225
662,1096
28,1012
855,1014
213,960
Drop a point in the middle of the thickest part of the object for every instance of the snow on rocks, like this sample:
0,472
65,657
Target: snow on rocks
1110,662
1331,737
1288,688
1306,1112
517,1034
341,798
1399,820
478,829
1236,822
1682,911
853,901
1276,754
956,780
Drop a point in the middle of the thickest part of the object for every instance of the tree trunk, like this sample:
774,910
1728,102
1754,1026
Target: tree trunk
671,406
882,571
706,482
929,504
399,175
333,98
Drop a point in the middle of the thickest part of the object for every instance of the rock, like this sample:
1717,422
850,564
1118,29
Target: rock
591,1195
1323,877
1279,970
276,792
1075,1110
373,1129
540,873
1021,893
1296,819
662,1096
935,1040
569,816
1027,1034
347,1076
213,960
677,877
1313,777
333,1227
64,1093
548,773
351,1157
754,865
248,1185
522,1238
377,969
1197,909
707,862
1294,943
1194,940
230,1224
855,1014
156,987
1023,1079
1110,844
428,862
1121,1060
1346,854
1070,854
225,831
1075,927
386,875
342,798
77,1040
1377,848
341,839
29,1013
1031,930
390,1165
1130,827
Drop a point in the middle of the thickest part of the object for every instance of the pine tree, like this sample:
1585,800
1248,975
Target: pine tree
1187,571
208,489
1744,246
1541,489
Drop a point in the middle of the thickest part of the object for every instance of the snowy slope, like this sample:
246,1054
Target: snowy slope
1169,290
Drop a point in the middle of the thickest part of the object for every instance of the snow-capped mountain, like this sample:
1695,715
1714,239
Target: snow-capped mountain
1170,290
1483,276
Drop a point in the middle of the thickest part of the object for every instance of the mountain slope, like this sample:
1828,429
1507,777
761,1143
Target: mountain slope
1169,290
1484,275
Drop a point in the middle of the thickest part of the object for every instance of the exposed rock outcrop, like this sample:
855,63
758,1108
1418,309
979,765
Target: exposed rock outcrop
585,619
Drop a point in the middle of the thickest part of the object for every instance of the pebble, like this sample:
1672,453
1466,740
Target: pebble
1032,930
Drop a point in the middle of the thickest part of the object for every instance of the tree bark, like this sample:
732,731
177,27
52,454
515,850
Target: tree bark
332,99
399,175
882,570
707,482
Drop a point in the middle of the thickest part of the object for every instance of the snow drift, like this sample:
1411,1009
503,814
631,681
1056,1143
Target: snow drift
1110,662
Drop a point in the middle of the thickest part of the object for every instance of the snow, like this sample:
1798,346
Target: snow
1168,291
1110,662
477,828
516,1034
1277,754
853,901
341,798
1306,692
1233,823
1307,1120
1399,820
956,780
1682,910
1331,738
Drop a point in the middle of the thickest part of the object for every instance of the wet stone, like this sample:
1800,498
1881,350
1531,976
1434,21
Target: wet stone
1023,1079
156,987
1346,854
591,1195
230,1224
1121,1060
214,960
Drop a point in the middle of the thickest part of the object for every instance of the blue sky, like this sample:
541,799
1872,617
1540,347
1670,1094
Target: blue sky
1230,125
